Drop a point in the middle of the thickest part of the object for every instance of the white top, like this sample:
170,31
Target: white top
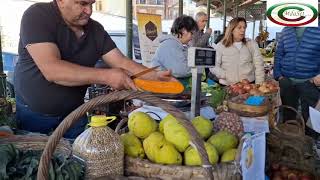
238,44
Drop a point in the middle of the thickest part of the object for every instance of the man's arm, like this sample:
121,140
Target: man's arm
54,69
116,59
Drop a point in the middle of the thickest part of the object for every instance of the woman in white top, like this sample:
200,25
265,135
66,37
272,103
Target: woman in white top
238,58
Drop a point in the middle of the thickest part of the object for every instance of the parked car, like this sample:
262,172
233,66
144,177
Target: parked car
9,62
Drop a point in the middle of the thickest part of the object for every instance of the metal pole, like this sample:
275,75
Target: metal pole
208,12
180,7
165,2
254,27
3,76
224,15
237,8
129,28
245,13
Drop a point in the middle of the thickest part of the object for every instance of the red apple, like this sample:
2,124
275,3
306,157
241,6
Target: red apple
306,178
240,85
275,166
276,176
292,176
245,81
233,86
247,87
285,173
283,168
242,91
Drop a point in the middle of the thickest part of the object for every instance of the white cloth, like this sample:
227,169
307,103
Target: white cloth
238,45
233,65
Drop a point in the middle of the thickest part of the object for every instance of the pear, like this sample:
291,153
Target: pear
192,156
223,141
203,126
167,154
229,155
141,124
169,117
152,144
176,134
132,145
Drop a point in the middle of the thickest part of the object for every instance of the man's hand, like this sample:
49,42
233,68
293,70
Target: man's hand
209,31
165,76
119,79
281,77
316,80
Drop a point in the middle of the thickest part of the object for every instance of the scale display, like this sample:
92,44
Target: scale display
201,57
204,58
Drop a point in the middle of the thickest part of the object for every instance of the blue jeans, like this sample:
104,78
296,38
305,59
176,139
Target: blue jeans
44,123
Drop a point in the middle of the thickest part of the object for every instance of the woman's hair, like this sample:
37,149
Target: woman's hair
183,22
228,36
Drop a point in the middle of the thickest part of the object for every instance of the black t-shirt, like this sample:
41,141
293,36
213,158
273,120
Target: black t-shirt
42,22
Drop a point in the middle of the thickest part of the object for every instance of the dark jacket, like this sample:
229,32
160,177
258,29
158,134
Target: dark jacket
200,39
294,59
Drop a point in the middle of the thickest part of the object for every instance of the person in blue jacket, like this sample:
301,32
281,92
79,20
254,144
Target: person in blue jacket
172,52
297,68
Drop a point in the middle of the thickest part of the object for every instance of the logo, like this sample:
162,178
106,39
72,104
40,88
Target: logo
293,14
151,31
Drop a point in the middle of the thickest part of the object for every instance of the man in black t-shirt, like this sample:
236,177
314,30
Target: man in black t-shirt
58,48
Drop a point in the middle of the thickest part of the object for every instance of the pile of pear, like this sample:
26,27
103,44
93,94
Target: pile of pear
169,142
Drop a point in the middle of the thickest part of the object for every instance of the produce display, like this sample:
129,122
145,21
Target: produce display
282,172
170,143
253,89
227,121
23,164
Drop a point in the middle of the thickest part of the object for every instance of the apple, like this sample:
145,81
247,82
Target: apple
242,91
283,168
275,166
247,87
240,85
306,178
285,173
276,176
255,92
273,88
245,81
292,176
233,86
264,89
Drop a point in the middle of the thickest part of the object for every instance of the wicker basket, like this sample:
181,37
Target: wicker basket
113,97
224,171
36,142
248,110
288,145
145,168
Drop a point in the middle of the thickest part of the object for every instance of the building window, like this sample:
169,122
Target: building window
159,2
141,1
99,5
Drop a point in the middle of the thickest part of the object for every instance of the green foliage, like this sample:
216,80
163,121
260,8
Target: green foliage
16,165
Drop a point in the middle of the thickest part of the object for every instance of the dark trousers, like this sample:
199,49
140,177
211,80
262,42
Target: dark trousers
291,93
44,123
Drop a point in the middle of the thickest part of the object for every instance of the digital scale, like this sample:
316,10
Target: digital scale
198,59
